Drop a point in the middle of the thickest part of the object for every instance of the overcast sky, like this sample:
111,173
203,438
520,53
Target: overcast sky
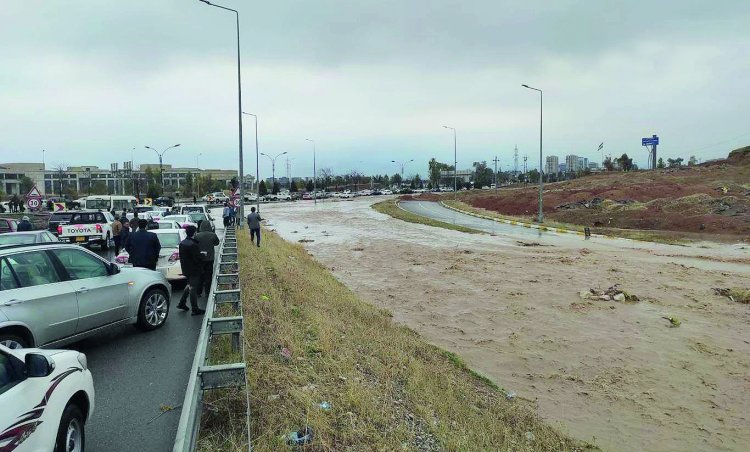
370,81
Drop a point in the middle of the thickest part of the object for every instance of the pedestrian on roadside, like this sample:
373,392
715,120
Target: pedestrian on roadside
124,232
225,215
24,225
207,240
190,261
253,223
143,247
116,230
232,215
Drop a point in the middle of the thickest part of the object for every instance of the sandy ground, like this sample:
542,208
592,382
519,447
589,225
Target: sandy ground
612,373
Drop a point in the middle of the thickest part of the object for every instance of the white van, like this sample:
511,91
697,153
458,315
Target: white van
104,202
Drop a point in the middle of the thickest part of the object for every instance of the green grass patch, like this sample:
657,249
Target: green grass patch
309,339
390,207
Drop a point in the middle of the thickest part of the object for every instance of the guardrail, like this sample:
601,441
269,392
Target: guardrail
225,290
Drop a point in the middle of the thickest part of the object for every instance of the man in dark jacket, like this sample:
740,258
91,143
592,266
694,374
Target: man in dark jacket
143,247
207,240
24,225
190,261
253,223
124,232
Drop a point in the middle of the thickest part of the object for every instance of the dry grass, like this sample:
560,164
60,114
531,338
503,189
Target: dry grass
390,207
388,390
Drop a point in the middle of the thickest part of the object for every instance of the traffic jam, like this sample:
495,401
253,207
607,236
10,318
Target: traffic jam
110,263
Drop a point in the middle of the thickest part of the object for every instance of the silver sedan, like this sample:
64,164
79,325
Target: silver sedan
54,294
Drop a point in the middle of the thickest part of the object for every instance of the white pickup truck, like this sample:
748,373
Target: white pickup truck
87,228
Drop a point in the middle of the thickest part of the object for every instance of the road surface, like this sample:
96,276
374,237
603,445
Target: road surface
140,380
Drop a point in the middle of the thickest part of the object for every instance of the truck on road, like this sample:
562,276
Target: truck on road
86,228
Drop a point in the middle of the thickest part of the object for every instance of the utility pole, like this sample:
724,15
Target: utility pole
515,162
161,168
495,160
541,134
315,174
455,163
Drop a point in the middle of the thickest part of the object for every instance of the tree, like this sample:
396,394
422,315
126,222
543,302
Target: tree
396,179
276,188
99,188
435,168
483,175
533,176
293,187
608,164
60,170
660,163
693,161
675,163
189,185
234,183
310,186
26,184
262,190
625,162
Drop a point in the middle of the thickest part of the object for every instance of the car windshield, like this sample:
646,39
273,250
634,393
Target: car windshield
16,239
179,218
196,217
188,209
103,204
61,217
169,240
166,225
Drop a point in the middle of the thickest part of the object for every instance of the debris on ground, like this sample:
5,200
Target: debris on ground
300,437
734,294
528,243
273,397
584,251
510,395
595,202
674,322
359,248
614,293
325,406
305,241
286,353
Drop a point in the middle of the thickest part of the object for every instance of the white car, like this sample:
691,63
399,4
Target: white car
46,398
183,220
387,192
346,195
168,224
169,256
88,227
184,210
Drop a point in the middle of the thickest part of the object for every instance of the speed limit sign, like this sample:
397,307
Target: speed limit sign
236,202
33,203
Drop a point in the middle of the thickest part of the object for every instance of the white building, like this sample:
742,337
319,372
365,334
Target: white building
552,164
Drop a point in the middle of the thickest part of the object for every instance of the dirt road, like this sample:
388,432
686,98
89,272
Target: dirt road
509,304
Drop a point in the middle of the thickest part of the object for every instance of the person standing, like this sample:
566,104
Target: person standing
124,232
143,247
190,261
116,231
207,240
253,223
24,225
225,215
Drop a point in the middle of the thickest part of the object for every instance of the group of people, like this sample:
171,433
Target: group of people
14,205
229,215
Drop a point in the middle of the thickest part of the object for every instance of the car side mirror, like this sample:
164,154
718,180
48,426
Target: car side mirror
38,365
113,269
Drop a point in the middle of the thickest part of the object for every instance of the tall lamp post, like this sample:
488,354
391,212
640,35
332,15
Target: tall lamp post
239,109
402,167
541,179
315,174
198,175
257,166
161,169
455,163
273,166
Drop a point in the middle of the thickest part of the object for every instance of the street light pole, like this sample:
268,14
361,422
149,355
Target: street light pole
541,179
455,164
315,175
239,109
402,167
273,167
198,175
161,169
257,159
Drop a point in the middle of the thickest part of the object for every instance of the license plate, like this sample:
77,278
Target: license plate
80,239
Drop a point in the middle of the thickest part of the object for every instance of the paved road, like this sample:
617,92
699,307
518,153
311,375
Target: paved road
135,375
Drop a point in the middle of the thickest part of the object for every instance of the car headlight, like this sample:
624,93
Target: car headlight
83,360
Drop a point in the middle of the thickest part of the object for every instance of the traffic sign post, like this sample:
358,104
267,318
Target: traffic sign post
653,141
34,198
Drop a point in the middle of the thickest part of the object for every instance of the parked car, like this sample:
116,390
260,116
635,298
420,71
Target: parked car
169,256
168,224
88,227
47,397
387,192
307,195
25,237
58,219
8,225
193,208
197,217
164,201
55,294
183,220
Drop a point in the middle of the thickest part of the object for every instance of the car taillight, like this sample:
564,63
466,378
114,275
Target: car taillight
121,259
174,257
98,228
59,230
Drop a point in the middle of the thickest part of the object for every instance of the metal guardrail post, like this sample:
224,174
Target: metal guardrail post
203,377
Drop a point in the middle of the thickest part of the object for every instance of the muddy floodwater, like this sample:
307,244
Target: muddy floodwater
617,374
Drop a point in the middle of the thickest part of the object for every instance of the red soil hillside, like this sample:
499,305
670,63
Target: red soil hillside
711,198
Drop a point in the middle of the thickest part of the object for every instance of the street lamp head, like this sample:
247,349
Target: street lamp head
176,145
525,86
148,147
285,152
205,1
411,160
393,161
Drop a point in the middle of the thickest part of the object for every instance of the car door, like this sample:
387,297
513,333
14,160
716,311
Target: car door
102,297
16,401
33,293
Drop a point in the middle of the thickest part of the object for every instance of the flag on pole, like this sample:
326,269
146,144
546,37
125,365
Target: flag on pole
601,146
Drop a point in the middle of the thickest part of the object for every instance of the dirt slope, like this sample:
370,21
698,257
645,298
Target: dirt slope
712,198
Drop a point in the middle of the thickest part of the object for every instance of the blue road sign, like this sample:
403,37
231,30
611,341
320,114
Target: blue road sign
650,141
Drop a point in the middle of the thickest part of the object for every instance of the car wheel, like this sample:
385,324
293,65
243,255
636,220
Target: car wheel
71,435
153,310
12,341
105,243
